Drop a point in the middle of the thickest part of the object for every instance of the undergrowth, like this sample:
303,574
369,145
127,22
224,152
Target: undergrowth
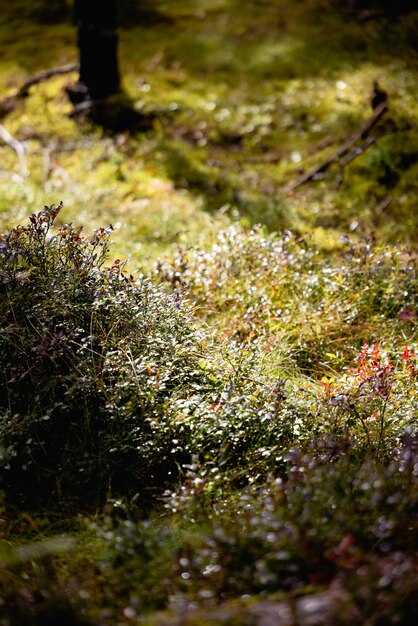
285,466
227,436
332,524
110,384
251,284
90,359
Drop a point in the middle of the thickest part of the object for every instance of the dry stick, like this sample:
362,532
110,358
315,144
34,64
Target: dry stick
359,150
355,152
17,147
362,133
268,157
275,156
8,103
324,143
44,75
383,205
82,107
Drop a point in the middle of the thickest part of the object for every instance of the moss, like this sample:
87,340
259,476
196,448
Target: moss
301,80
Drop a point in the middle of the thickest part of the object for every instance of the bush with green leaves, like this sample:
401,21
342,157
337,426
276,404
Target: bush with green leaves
91,359
334,522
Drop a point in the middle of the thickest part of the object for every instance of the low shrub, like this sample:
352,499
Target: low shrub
334,522
373,401
91,358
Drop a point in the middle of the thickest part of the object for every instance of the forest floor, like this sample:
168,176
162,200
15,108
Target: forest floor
244,99
305,285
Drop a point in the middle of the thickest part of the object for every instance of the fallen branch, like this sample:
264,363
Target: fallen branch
17,147
348,144
383,205
81,107
353,154
8,103
39,77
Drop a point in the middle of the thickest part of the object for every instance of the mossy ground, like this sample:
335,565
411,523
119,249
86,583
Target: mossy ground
243,96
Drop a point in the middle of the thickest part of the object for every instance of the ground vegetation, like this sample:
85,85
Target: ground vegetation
209,375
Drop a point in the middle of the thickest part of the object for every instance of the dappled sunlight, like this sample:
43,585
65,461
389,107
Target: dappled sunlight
209,382
297,94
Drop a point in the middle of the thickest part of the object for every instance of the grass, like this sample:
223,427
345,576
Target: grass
242,442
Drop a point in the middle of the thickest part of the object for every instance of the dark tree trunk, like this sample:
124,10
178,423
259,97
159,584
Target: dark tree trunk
97,39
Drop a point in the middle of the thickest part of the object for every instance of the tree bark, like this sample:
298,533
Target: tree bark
97,39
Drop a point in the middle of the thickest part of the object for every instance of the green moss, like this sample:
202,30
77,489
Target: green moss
241,97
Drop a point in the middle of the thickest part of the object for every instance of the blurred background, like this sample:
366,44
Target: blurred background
231,103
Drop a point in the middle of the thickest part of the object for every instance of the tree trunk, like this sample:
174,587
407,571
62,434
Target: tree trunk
97,39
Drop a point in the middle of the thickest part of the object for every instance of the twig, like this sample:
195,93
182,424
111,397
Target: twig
9,103
355,152
81,108
17,147
44,75
349,143
383,205
321,145
359,150
275,155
